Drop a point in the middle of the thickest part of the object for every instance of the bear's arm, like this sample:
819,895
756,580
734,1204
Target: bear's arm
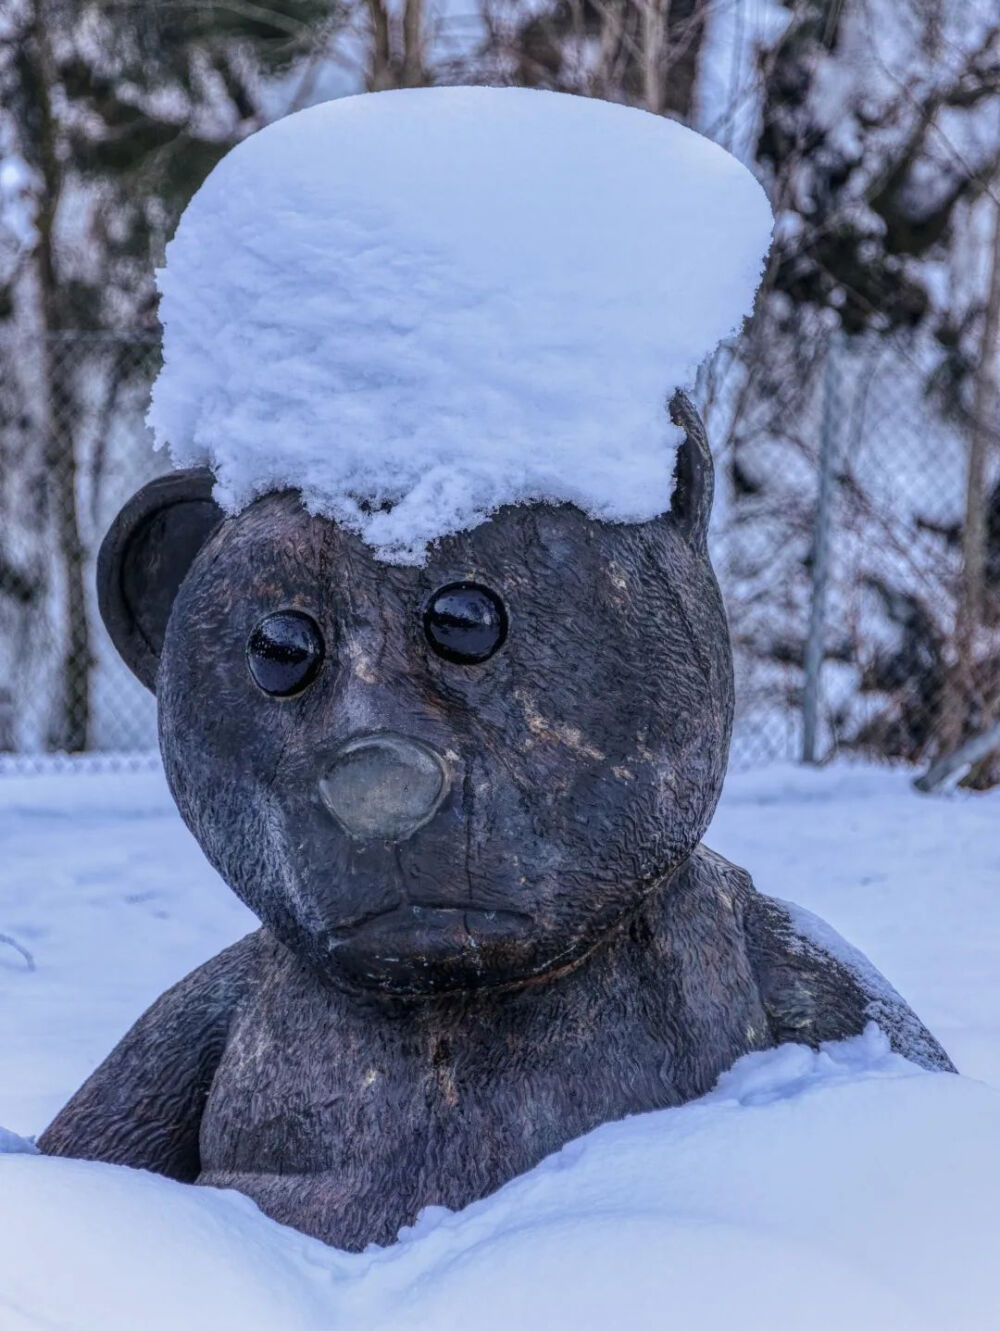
143,1105
816,987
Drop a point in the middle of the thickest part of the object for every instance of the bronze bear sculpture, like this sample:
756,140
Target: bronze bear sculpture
466,802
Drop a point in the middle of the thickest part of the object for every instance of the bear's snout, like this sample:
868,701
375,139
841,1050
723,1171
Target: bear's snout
384,786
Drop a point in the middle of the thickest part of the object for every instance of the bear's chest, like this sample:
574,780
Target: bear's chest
345,1120
304,1088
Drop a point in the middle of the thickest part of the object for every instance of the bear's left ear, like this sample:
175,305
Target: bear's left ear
145,557
694,477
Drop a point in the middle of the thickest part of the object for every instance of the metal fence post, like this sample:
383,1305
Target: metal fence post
816,637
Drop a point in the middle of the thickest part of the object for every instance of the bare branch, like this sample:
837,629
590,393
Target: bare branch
18,947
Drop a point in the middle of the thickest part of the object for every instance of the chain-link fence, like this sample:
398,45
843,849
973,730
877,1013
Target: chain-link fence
838,545
841,558
73,448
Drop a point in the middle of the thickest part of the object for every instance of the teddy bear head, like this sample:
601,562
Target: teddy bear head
436,778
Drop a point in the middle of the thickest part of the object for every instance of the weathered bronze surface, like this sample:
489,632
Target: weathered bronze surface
488,923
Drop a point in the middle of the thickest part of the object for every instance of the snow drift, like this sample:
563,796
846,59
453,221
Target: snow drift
417,306
809,1190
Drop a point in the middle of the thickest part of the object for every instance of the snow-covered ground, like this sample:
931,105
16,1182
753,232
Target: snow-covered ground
812,1192
107,890
465,288
833,1189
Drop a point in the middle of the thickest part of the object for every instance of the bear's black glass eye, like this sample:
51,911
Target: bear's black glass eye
284,653
465,622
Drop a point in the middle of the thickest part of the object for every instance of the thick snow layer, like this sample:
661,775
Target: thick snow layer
107,890
90,1247
417,306
113,901
845,1188
814,1190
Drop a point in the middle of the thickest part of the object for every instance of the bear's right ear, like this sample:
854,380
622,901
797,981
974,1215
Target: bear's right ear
694,477
145,557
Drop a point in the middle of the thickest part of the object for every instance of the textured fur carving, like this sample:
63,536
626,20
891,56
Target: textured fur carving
418,1021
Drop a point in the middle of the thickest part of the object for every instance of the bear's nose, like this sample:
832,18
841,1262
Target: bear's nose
384,786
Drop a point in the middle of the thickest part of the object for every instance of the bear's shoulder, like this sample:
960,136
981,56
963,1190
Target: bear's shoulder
816,986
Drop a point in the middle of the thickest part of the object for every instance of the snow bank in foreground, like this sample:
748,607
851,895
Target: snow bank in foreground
814,1191
444,300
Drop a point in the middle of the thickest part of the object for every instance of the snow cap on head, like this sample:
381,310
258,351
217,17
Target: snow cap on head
415,307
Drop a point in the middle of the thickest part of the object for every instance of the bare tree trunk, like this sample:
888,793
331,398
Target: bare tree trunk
655,21
986,771
413,73
380,69
815,644
961,694
71,722
71,731
604,78
972,752
984,416
396,58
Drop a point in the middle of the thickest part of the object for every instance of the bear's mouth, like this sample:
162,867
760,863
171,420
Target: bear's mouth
420,915
424,948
